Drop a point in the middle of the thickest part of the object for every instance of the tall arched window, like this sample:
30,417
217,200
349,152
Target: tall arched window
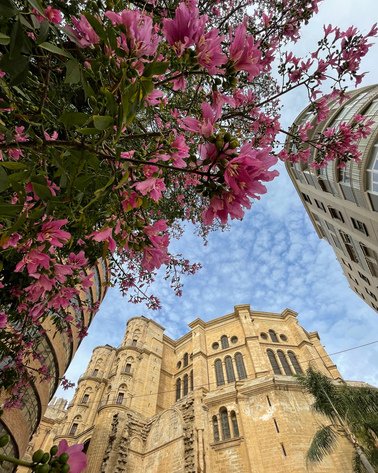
219,372
285,365
295,362
224,341
191,380
240,368
229,369
234,423
273,362
178,389
226,434
186,385
186,359
273,335
215,429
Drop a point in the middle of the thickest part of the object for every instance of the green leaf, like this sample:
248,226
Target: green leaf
322,444
96,25
72,119
4,39
102,122
88,131
37,5
54,49
43,32
10,210
155,69
7,9
13,165
16,68
42,191
146,86
4,180
72,72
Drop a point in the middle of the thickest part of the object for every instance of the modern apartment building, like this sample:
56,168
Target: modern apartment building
223,398
57,349
342,202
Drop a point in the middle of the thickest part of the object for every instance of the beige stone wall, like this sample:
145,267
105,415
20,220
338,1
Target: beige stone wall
128,411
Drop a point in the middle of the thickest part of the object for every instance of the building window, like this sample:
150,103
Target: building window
120,397
306,198
216,429
273,336
229,369
240,368
128,368
364,278
186,359
185,385
264,336
360,226
371,294
95,372
178,389
295,362
85,399
273,362
224,341
191,380
234,423
234,339
373,172
320,205
336,214
73,428
134,342
348,242
371,259
215,346
226,434
219,372
285,365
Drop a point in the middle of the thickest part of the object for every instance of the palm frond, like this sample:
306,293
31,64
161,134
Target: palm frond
322,444
357,464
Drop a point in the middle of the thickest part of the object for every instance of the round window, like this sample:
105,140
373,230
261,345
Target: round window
263,335
179,365
215,346
234,339
283,337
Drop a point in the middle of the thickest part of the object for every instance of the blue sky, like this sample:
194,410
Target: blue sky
271,260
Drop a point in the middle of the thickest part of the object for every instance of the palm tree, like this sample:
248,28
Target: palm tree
351,408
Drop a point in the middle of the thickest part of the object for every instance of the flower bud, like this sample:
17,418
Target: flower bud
63,458
4,439
53,450
37,456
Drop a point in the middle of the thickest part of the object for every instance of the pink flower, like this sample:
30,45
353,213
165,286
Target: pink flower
83,31
52,137
104,235
205,127
3,319
244,54
11,241
52,232
53,15
78,260
209,52
154,98
152,186
156,255
77,458
2,74
33,260
140,37
185,29
180,151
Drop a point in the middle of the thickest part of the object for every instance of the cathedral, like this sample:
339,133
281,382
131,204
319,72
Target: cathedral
222,398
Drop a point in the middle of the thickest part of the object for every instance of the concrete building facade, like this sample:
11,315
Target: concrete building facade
342,202
57,349
221,399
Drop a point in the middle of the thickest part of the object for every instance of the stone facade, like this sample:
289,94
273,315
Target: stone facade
220,399
342,202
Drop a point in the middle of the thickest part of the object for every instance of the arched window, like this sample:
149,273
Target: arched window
295,362
186,359
73,428
284,363
186,385
86,445
216,429
219,372
229,369
273,362
226,434
85,398
224,341
240,368
120,398
234,423
273,335
191,380
178,389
